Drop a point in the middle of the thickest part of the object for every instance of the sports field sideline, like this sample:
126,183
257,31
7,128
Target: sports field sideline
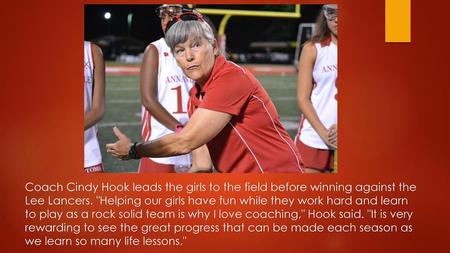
123,104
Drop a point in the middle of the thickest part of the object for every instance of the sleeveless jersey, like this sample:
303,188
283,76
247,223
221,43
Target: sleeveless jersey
92,155
173,95
323,95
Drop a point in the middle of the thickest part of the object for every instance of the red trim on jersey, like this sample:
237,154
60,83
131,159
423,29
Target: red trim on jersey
325,42
146,126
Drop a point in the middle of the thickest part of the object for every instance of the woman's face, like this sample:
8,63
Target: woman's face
333,26
196,58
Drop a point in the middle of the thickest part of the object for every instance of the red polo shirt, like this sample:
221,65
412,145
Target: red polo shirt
254,139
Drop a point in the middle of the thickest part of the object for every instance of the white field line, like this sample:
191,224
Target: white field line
125,79
123,89
123,101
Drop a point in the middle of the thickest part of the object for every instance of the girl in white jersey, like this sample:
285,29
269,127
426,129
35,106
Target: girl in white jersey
94,105
164,95
317,94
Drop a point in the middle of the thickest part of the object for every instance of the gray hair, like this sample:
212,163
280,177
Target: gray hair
181,31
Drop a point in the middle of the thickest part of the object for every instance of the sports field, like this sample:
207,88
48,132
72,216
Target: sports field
123,106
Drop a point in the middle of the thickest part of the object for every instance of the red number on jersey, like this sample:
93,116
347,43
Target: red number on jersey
179,100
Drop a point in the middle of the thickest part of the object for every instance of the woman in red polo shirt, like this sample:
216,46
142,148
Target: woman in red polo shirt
229,111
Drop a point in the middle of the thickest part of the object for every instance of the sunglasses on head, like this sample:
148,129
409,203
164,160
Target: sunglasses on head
330,12
170,10
186,16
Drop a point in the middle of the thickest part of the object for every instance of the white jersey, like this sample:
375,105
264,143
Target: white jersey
92,155
173,95
323,95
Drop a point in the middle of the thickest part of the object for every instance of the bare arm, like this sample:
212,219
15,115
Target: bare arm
149,89
201,160
202,127
98,100
304,89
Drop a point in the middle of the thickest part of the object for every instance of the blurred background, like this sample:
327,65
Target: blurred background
265,39
127,29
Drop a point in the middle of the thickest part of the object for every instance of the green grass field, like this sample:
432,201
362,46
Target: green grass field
123,110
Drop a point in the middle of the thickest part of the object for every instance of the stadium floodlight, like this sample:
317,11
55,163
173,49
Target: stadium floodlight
107,15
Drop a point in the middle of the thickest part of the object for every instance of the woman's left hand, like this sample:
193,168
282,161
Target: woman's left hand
332,136
120,148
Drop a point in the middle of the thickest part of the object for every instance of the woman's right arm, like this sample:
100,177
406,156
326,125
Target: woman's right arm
149,89
201,160
304,89
201,128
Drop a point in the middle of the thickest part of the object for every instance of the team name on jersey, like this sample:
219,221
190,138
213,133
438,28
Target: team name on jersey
177,79
329,68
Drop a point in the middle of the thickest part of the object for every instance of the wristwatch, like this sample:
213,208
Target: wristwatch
132,153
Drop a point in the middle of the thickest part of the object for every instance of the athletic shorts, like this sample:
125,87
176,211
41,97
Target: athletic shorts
319,159
147,165
94,169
